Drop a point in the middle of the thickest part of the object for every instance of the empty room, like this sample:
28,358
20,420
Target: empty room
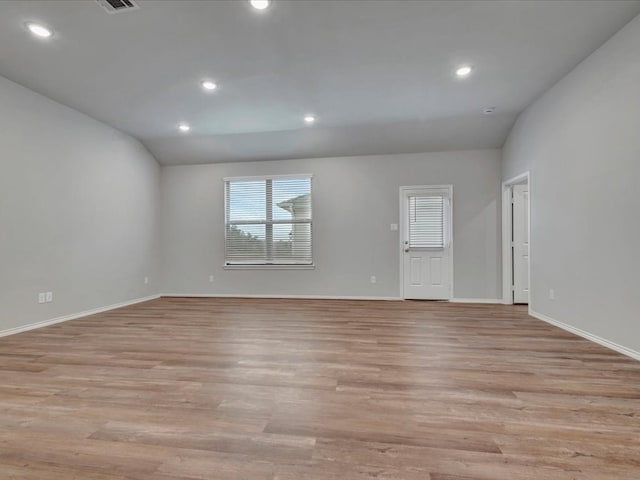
319,240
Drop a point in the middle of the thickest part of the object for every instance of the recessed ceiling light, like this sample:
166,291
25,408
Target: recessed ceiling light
39,30
488,110
464,71
309,119
259,4
184,127
208,85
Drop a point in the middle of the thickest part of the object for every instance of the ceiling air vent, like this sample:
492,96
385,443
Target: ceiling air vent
117,6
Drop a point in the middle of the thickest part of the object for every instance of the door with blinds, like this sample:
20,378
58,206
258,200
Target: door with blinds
426,242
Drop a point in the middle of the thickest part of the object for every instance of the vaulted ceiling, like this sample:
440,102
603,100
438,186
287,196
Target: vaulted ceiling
378,75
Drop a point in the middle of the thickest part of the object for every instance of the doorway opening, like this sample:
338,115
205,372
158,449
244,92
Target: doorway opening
516,244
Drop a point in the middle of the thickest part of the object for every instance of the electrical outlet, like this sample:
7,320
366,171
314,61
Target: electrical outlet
373,279
49,297
42,298
552,294
394,227
210,278
146,280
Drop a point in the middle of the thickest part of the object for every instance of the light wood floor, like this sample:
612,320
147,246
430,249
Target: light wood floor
241,389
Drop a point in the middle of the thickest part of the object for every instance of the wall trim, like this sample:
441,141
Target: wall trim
319,297
74,316
476,300
589,336
308,297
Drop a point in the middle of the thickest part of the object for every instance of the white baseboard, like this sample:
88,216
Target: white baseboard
589,336
73,316
475,300
308,297
318,297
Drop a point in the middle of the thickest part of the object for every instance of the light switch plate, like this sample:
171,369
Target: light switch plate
394,227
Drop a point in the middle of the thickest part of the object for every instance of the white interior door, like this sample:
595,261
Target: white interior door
520,237
426,228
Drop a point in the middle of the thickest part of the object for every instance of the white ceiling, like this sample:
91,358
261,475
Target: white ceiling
378,74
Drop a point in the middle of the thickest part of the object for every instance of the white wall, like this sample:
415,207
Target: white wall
355,201
581,141
78,211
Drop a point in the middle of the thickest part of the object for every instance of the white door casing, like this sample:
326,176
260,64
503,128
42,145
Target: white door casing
426,214
507,235
520,238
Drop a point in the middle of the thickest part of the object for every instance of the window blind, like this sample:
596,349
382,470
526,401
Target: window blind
268,221
427,227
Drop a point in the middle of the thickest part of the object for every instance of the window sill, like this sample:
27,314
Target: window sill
269,267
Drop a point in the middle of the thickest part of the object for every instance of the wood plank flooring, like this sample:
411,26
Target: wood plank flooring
246,389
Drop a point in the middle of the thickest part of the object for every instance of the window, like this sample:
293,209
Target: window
427,226
268,221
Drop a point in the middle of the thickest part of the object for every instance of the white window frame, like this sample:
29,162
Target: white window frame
446,214
266,266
